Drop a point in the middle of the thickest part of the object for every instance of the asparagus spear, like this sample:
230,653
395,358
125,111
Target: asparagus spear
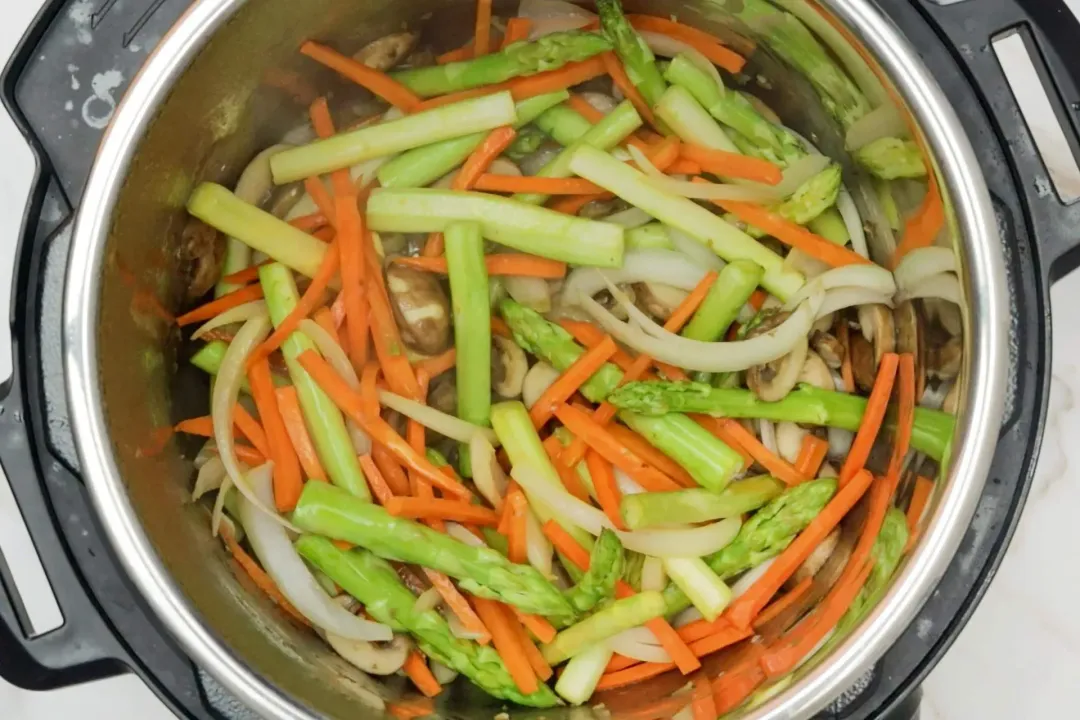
582,674
645,510
324,420
649,237
607,623
631,48
727,296
691,122
694,578
597,585
765,535
564,124
890,158
709,461
831,226
887,551
806,404
520,59
472,326
394,136
606,134
422,166
528,141
524,227
809,201
374,583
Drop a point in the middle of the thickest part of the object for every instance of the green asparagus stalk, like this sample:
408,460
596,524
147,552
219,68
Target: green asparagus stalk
597,585
883,189
700,584
528,140
582,674
394,136
424,165
648,237
472,326
632,568
524,227
727,296
210,356
219,208
887,551
765,535
326,510
691,122
324,420
374,583
564,124
518,60
686,507
606,134
809,201
631,48
806,405
890,158
831,226
725,240
603,625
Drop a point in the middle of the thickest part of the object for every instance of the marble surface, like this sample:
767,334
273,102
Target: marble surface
1019,657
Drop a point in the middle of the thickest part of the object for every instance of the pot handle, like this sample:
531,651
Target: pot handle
985,37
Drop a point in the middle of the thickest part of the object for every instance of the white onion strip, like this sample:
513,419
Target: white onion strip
756,193
797,173
918,265
461,534
630,643
767,429
883,121
284,565
581,514
653,575
538,548
630,218
240,313
219,505
667,267
696,250
335,355
842,298
689,542
748,578
209,478
849,213
945,286
428,600
869,277
448,425
488,475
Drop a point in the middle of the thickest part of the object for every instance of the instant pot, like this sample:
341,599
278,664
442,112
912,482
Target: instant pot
63,86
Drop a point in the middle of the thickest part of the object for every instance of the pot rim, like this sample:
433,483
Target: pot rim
980,418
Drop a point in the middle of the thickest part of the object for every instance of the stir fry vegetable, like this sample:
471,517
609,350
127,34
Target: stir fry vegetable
590,425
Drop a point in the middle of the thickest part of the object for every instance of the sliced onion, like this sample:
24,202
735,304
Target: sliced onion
798,173
630,218
448,425
748,578
705,356
767,431
206,452
209,478
626,484
369,657
581,514
226,391
219,505
540,377
532,163
884,121
667,46
808,265
840,442
462,534
532,292
945,286
363,173
755,193
631,644
849,213
488,475
600,102
653,576
687,616
428,600
789,440
283,564
869,277
538,548
690,542
667,267
918,265
443,674
458,630
335,355
842,298
697,251
240,313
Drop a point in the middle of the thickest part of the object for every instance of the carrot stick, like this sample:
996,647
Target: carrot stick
351,403
384,330
392,473
631,675
379,487
703,706
435,366
523,184
244,277
421,509
459,605
719,429
570,480
499,327
572,205
312,221
503,264
745,608
730,164
682,166
620,662
582,107
551,81
287,479
920,497
811,456
223,303
607,489
664,154
377,82
506,643
289,406
465,52
261,579
847,372
517,30
876,406
590,336
532,653
905,420
732,688
641,447
923,227
482,38
719,640
569,381
421,675
411,708
700,40
476,164
251,429
350,241
614,67
541,629
782,603
316,188
516,547
777,466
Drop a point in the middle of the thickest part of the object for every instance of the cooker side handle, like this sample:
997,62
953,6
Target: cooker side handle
980,31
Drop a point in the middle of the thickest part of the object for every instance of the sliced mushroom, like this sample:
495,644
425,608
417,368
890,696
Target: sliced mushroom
601,102
508,367
374,658
946,314
386,52
285,199
911,338
952,399
537,381
789,440
657,299
421,308
202,251
504,166
826,471
813,564
532,292
773,381
863,365
442,394
816,372
616,309
829,348
600,208
876,322
944,361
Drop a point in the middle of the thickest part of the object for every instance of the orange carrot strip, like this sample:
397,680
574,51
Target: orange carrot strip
246,276
590,336
811,456
782,603
499,327
731,164
203,426
437,365
732,688
572,205
423,509
459,605
384,331
310,222
351,403
517,30
506,643
923,227
905,420
516,547
614,67
261,579
607,489
551,81
541,629
379,488
411,708
641,447
682,166
464,52
532,653
482,37
570,380
567,474
461,96
847,372
377,82
223,303
874,415
725,637
251,428
502,264
721,431
316,188
582,107
287,479
392,473
421,674
350,241
920,498
620,662
777,466
700,40
877,507
631,675
703,706
745,608
543,185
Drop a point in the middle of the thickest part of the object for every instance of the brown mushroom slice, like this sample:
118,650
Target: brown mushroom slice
824,323
202,252
508,367
910,338
876,323
789,439
442,394
827,471
952,399
829,348
421,309
815,371
532,292
863,364
386,52
813,564
539,378
774,380
946,314
944,361
657,299
371,657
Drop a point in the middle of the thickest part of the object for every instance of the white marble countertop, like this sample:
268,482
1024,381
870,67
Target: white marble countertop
1019,657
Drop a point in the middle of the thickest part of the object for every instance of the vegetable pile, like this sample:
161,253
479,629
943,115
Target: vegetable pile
570,368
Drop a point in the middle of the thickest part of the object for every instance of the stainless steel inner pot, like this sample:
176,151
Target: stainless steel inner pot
226,82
